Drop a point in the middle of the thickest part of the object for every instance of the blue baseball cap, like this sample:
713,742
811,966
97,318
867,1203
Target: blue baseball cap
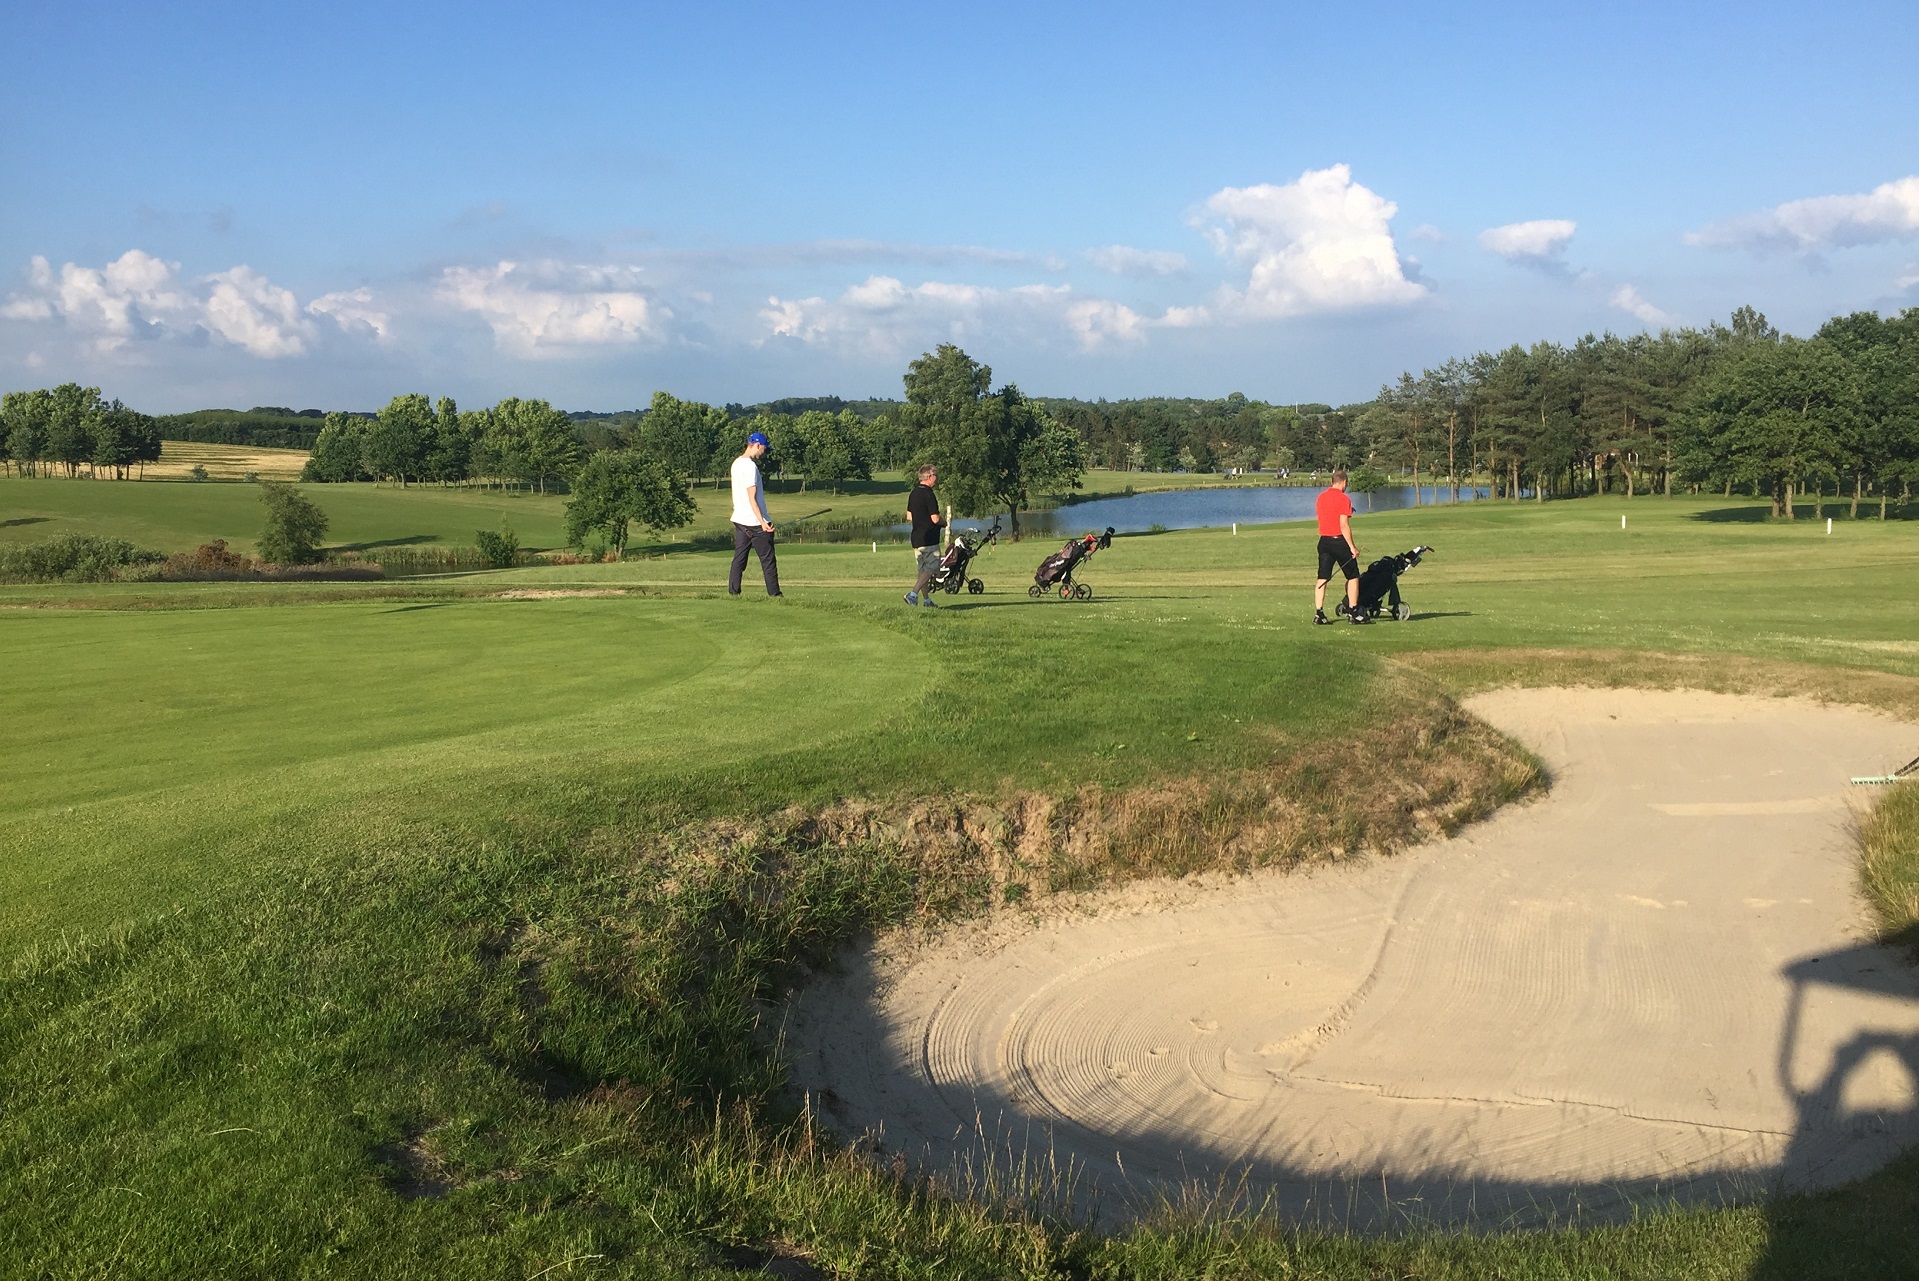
759,438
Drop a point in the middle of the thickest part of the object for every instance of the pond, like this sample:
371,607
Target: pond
1203,508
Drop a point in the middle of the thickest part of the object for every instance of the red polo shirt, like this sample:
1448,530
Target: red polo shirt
1332,504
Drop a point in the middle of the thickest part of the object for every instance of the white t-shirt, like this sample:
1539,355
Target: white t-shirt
746,492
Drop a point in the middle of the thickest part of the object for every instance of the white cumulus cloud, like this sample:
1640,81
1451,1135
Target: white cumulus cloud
1888,212
546,308
253,313
1628,299
1124,260
350,307
1539,241
883,315
1323,243
140,296
134,296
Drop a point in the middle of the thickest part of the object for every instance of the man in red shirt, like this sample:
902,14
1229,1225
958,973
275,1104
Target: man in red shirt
1336,547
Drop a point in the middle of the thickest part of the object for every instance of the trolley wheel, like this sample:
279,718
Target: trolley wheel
1082,591
1340,610
1066,591
1036,591
1404,612
974,586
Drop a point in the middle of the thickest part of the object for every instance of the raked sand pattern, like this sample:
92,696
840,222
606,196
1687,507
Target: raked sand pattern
1651,984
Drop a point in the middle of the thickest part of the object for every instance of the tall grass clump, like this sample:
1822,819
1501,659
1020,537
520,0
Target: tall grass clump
72,558
1889,861
408,562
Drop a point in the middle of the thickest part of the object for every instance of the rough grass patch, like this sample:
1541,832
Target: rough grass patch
1889,862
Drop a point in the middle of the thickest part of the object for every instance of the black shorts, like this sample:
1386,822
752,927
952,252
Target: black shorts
1335,550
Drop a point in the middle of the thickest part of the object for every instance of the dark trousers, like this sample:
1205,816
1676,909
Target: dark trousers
752,538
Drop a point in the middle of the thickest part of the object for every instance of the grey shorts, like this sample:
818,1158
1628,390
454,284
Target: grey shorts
929,559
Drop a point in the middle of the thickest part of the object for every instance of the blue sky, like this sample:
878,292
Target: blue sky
324,206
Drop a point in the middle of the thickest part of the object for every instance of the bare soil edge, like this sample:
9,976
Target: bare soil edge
1423,768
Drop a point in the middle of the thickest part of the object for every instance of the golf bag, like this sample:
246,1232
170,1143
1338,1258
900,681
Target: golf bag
1379,585
951,575
1056,571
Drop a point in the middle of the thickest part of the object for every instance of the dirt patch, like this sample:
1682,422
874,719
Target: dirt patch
556,593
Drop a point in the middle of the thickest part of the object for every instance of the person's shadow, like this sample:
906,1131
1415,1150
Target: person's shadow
1869,1228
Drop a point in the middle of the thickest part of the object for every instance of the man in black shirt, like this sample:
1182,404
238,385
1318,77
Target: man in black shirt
923,509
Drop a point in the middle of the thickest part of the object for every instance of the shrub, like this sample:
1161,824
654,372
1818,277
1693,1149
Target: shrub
207,562
214,563
72,558
501,548
197,472
407,561
294,526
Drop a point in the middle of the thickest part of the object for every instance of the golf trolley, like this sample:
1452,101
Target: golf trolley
1379,586
951,575
1056,572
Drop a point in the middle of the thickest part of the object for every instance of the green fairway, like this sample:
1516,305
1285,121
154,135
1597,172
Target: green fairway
178,515
173,516
1684,575
418,930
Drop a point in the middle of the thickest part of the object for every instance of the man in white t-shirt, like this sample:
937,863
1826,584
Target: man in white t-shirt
752,527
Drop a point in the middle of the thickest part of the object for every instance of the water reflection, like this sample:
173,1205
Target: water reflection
1205,508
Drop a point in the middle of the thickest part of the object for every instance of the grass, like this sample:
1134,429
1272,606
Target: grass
176,514
397,931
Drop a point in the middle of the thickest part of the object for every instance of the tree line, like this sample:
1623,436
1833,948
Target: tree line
1729,407
59,430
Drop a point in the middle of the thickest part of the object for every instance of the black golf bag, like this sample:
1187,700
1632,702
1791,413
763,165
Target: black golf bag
1379,585
1057,570
951,575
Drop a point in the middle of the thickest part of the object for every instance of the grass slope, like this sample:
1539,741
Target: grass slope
364,934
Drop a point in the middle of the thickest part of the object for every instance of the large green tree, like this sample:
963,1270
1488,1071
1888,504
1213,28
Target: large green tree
24,416
1783,409
294,526
994,449
683,434
338,451
123,437
70,422
616,487
449,456
394,445
537,441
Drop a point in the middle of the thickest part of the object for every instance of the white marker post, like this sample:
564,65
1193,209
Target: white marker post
1236,529
876,546
1622,520
1828,526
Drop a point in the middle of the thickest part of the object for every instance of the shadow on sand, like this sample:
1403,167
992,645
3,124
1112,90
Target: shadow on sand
1008,1146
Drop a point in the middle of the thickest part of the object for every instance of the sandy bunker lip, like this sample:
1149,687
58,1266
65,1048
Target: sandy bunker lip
1651,985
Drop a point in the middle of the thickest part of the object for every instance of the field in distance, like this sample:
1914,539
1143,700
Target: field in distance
178,458
169,513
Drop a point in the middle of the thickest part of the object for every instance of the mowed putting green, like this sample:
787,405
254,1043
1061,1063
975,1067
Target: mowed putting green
411,930
149,746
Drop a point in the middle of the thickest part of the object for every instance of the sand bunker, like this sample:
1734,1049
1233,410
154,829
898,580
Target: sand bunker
1651,984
